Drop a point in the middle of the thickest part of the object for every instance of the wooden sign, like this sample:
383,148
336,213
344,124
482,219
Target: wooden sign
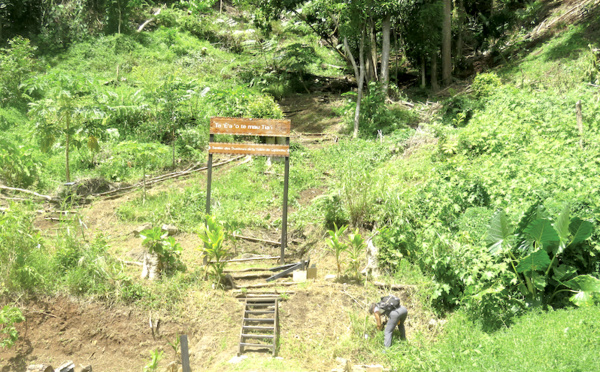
256,149
250,127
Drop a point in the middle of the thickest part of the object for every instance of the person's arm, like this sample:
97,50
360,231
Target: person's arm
378,319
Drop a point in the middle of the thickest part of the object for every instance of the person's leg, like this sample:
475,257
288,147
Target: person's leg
402,314
393,319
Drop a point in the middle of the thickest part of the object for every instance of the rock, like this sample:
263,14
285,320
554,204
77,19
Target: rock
237,359
87,368
170,229
40,368
344,365
330,277
139,229
68,366
172,367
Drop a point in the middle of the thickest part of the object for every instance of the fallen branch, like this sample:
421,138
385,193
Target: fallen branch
49,198
395,286
165,177
246,270
133,263
256,240
271,293
250,259
17,199
148,21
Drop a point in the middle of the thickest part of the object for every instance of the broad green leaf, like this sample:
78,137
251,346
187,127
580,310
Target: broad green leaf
586,283
563,271
542,232
581,230
539,281
499,232
582,298
562,225
536,261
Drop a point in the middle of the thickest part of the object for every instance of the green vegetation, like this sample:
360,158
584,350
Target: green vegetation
84,96
9,315
212,236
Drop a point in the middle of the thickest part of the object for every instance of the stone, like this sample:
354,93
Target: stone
172,367
237,359
170,229
87,368
139,229
68,366
344,365
330,277
311,273
40,368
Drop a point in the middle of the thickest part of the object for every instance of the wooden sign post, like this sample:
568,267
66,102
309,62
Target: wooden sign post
252,127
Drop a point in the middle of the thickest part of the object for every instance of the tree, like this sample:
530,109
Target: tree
355,25
142,154
447,43
67,112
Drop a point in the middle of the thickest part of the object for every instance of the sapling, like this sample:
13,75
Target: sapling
357,248
212,235
336,245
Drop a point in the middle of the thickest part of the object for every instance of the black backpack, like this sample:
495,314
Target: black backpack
388,304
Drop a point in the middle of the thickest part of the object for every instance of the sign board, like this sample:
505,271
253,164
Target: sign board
250,127
256,149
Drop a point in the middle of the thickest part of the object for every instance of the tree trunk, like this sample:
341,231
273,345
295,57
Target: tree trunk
68,173
144,183
360,77
423,74
385,54
447,43
152,266
372,267
434,75
461,24
373,53
173,148
361,81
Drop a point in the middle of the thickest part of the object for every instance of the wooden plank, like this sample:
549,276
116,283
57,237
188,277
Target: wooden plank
250,127
256,149
266,346
249,335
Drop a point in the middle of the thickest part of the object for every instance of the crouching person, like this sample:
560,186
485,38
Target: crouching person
396,314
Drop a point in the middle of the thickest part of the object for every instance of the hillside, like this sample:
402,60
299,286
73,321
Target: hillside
481,195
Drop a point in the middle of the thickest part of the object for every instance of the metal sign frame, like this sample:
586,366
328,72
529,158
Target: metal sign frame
252,127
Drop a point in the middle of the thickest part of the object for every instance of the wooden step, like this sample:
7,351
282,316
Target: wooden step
249,335
261,300
260,320
259,312
258,328
267,346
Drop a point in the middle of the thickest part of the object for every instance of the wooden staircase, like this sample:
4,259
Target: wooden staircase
260,324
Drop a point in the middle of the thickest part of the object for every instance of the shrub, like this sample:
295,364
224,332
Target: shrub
9,315
336,246
212,235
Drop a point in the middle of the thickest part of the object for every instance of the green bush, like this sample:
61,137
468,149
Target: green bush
23,259
16,66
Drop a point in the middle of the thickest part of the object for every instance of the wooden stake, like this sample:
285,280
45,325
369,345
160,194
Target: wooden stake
579,122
